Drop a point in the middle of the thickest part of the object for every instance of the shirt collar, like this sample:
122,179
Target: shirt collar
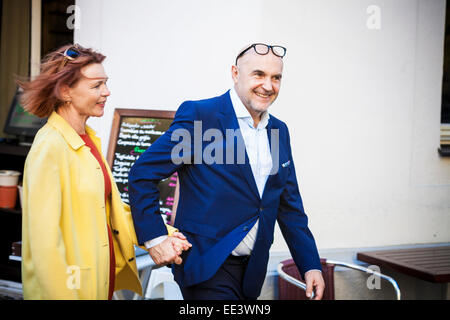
69,133
242,112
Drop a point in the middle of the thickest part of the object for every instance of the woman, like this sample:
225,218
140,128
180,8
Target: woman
78,236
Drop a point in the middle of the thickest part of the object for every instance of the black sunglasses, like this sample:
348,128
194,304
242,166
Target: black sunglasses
263,49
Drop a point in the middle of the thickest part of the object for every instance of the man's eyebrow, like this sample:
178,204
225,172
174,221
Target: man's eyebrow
257,71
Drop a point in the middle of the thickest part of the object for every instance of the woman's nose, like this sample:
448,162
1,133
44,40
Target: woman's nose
106,92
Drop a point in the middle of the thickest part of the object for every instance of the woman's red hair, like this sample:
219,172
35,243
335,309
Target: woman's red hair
41,96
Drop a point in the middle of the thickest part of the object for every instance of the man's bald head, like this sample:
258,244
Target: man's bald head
241,53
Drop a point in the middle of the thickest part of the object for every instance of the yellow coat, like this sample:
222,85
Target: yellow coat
65,247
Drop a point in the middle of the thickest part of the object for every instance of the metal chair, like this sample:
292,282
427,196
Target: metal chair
292,287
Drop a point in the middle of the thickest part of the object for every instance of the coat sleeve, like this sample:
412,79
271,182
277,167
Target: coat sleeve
168,154
127,210
293,223
41,232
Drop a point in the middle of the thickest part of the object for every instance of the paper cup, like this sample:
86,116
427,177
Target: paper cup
9,178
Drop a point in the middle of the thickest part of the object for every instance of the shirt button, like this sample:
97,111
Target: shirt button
245,228
261,209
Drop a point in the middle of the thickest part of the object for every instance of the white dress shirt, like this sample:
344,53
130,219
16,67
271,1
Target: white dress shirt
258,152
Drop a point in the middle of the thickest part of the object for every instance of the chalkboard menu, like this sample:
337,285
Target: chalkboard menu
133,131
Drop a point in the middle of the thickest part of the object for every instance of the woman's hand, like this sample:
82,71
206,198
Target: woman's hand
180,242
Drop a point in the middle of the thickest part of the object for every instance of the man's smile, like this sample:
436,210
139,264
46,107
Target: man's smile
262,95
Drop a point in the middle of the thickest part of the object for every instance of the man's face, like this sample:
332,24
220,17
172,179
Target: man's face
257,80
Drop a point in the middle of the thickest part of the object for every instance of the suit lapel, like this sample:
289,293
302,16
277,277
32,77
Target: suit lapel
274,153
228,120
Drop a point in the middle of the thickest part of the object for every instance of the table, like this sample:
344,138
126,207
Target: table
428,263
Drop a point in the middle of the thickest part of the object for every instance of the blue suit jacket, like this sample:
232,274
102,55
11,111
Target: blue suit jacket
219,203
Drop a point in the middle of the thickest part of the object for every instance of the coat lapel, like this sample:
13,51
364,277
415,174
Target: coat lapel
228,120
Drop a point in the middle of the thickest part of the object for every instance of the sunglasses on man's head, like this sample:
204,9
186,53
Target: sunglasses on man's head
263,49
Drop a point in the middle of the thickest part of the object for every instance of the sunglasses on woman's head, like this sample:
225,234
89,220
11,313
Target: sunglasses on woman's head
71,54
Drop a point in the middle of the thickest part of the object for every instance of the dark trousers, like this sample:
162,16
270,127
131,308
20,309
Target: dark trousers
226,284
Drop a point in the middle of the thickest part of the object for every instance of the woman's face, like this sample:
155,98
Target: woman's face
88,96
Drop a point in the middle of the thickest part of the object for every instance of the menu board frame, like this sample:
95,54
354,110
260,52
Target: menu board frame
119,114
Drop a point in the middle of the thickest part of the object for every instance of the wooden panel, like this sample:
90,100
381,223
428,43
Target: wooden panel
431,263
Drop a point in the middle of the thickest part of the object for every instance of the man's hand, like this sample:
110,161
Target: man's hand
314,280
169,250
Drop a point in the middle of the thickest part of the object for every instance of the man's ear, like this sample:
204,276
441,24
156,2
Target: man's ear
234,73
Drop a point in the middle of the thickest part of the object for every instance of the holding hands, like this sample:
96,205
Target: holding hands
170,249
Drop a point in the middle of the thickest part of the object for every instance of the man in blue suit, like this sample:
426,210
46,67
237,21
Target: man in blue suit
237,178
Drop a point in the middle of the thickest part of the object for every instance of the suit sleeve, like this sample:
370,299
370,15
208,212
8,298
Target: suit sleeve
170,230
293,223
168,154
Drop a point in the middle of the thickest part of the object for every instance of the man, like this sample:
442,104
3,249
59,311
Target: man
227,209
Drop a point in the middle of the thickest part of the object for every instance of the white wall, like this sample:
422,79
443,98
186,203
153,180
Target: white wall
362,105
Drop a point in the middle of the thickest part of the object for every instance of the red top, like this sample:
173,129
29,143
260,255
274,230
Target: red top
112,268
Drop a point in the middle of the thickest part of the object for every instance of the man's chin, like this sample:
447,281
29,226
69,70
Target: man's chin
261,108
